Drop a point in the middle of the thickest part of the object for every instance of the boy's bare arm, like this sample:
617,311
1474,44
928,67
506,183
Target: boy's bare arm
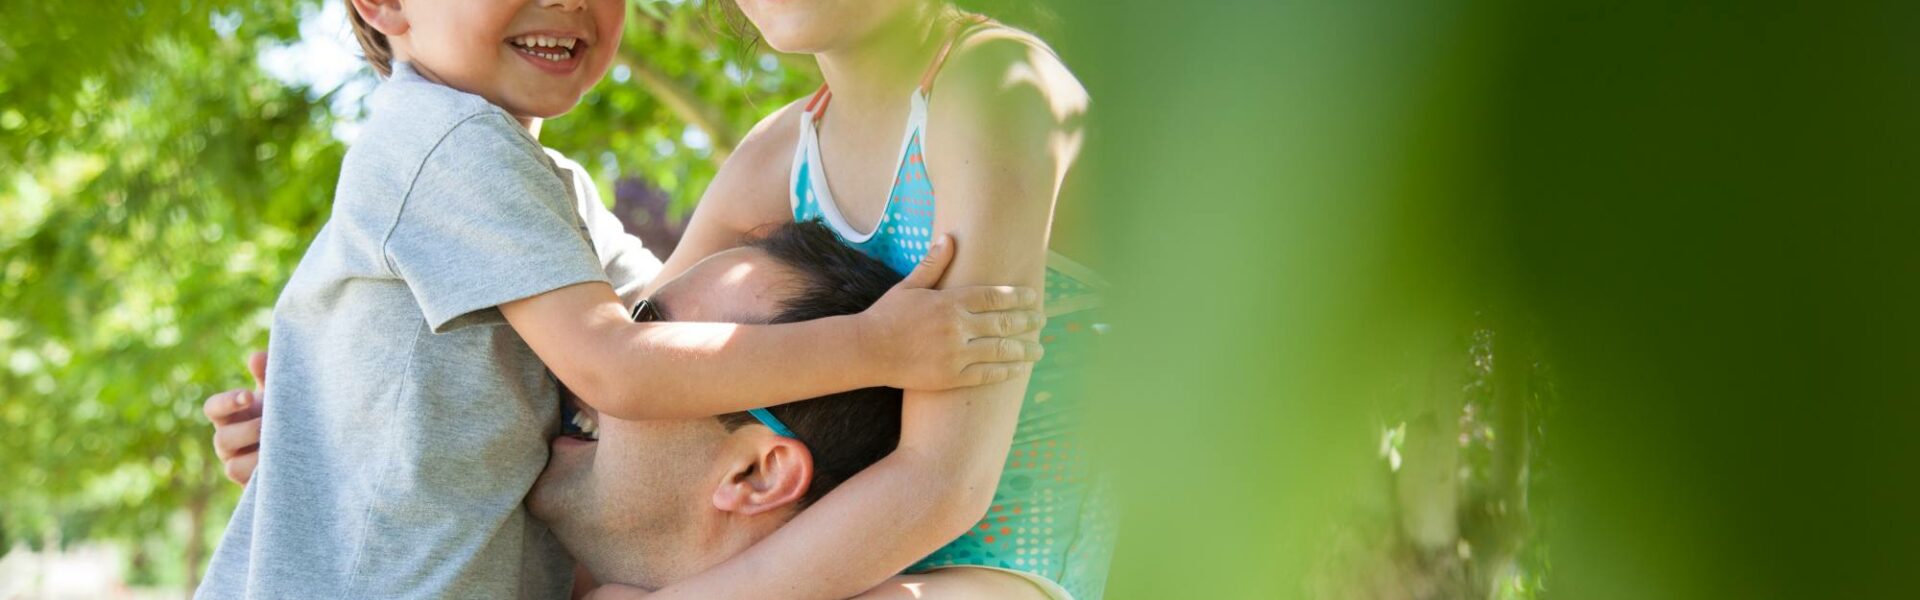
681,370
914,337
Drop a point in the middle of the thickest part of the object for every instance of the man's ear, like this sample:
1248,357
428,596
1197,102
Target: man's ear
776,474
384,15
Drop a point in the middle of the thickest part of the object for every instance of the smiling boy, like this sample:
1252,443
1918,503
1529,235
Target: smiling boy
408,420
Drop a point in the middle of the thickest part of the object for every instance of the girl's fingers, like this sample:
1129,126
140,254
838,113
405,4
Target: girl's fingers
1003,350
236,439
240,468
992,298
1005,323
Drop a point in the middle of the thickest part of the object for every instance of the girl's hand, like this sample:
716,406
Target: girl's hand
236,423
921,338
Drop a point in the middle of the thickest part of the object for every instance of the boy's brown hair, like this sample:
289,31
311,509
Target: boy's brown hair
372,43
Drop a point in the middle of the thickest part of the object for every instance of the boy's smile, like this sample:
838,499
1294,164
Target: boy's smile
534,58
554,52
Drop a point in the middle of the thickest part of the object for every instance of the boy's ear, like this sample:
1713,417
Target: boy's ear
384,16
777,473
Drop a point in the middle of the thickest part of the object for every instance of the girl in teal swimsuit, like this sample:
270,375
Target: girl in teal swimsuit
991,492
1049,521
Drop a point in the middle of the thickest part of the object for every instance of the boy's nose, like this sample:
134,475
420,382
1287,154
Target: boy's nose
563,4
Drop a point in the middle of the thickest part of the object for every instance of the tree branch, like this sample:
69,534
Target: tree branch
681,99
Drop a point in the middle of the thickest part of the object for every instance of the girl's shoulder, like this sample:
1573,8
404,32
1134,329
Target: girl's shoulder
750,188
1004,102
775,134
1008,80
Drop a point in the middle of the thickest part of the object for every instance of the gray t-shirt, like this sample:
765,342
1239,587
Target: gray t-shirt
406,420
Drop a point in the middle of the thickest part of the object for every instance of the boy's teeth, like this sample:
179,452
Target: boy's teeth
542,41
550,48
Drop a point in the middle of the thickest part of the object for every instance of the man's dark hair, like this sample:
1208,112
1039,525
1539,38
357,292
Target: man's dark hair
848,431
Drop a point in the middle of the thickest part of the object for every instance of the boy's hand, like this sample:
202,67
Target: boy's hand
921,338
236,422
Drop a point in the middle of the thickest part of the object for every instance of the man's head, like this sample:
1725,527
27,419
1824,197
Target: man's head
534,58
651,502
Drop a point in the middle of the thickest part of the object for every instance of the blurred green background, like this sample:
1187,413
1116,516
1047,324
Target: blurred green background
1463,299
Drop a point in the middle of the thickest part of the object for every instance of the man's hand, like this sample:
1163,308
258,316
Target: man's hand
928,339
236,422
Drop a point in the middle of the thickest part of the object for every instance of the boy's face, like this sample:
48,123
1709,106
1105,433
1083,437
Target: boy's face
534,58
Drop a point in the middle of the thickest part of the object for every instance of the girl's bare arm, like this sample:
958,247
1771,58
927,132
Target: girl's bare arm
1000,142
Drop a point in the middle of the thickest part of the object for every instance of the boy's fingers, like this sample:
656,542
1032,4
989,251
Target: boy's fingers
236,439
928,272
990,298
1003,350
1006,323
257,365
240,469
990,373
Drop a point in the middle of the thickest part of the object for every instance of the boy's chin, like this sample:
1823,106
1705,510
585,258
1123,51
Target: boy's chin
544,110
539,104
540,112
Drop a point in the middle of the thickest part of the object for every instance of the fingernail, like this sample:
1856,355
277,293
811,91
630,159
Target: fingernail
243,399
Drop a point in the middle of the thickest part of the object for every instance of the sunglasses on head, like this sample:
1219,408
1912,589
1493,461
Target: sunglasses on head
647,312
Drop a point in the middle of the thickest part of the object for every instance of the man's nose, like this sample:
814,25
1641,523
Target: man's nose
564,4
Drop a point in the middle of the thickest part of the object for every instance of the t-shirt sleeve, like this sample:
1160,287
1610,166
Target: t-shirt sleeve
629,264
487,221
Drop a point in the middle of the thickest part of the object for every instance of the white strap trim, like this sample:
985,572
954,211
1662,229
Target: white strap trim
808,152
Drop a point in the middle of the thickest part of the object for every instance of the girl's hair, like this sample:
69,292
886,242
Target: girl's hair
725,16
373,44
1034,16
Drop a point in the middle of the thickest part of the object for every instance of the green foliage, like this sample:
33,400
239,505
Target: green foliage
154,195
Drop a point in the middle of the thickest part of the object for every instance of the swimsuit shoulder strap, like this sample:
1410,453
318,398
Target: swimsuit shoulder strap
816,106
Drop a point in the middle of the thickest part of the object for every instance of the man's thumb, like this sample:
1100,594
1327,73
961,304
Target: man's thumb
257,365
928,272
